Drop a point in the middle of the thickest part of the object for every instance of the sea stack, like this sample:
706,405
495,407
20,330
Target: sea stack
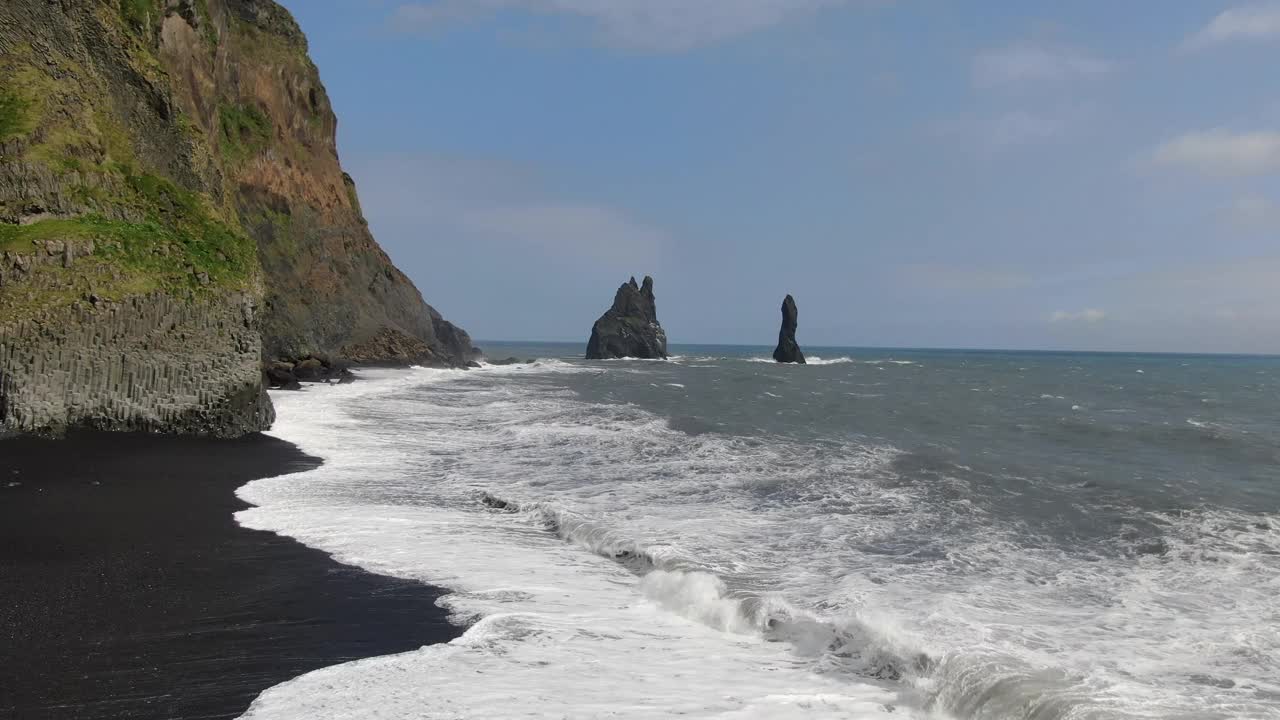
788,351
630,328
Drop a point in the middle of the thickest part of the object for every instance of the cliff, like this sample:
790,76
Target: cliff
173,213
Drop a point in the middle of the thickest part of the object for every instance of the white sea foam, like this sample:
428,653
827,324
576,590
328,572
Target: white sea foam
815,360
809,360
561,629
614,566
692,361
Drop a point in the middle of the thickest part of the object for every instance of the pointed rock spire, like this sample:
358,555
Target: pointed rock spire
788,351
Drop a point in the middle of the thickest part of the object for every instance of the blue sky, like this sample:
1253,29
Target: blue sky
1084,175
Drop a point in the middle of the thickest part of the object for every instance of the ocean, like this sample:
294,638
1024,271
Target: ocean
880,533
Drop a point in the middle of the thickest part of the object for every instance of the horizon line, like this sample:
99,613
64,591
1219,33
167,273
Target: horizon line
480,342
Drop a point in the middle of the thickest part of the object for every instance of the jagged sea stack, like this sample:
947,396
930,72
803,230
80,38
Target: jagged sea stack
630,328
788,351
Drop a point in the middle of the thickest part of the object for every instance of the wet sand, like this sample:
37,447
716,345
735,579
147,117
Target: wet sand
127,590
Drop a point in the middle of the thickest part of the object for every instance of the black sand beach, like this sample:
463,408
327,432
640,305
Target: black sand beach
127,590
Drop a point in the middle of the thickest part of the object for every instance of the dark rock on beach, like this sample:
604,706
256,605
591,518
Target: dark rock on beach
788,351
630,328
280,375
283,375
309,369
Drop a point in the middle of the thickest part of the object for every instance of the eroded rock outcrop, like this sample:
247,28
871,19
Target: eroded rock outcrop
788,351
174,221
630,327
152,363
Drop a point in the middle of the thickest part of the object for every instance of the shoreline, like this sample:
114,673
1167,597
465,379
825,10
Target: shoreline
131,591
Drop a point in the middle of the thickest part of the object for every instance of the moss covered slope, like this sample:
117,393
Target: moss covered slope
183,151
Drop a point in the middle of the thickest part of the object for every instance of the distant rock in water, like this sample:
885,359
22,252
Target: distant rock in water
512,361
788,351
630,328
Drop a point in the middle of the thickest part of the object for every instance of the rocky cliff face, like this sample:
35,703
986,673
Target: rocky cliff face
629,328
172,213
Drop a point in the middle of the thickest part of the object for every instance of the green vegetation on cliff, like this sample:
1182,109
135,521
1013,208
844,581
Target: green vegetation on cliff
14,115
178,244
100,170
137,14
245,131
187,148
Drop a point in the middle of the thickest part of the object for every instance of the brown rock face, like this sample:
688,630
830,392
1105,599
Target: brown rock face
180,154
329,285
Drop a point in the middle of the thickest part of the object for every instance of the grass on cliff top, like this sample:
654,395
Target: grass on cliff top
172,255
178,240
15,115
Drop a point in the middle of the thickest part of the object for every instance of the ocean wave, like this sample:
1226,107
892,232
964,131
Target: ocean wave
555,365
669,358
980,682
1210,438
686,359
682,586
607,529
809,360
841,360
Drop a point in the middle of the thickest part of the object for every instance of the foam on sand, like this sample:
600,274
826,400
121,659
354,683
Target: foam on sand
615,564
558,630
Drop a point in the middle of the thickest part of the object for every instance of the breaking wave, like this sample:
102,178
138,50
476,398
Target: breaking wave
609,559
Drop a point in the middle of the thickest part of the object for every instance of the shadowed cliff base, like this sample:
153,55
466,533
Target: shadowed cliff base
131,592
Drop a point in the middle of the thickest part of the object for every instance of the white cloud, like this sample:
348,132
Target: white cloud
1023,63
496,205
652,25
1214,302
1249,22
953,278
1019,127
573,229
1014,128
1252,212
1089,316
1222,152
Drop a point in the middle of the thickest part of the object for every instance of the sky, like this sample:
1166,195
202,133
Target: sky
1092,175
